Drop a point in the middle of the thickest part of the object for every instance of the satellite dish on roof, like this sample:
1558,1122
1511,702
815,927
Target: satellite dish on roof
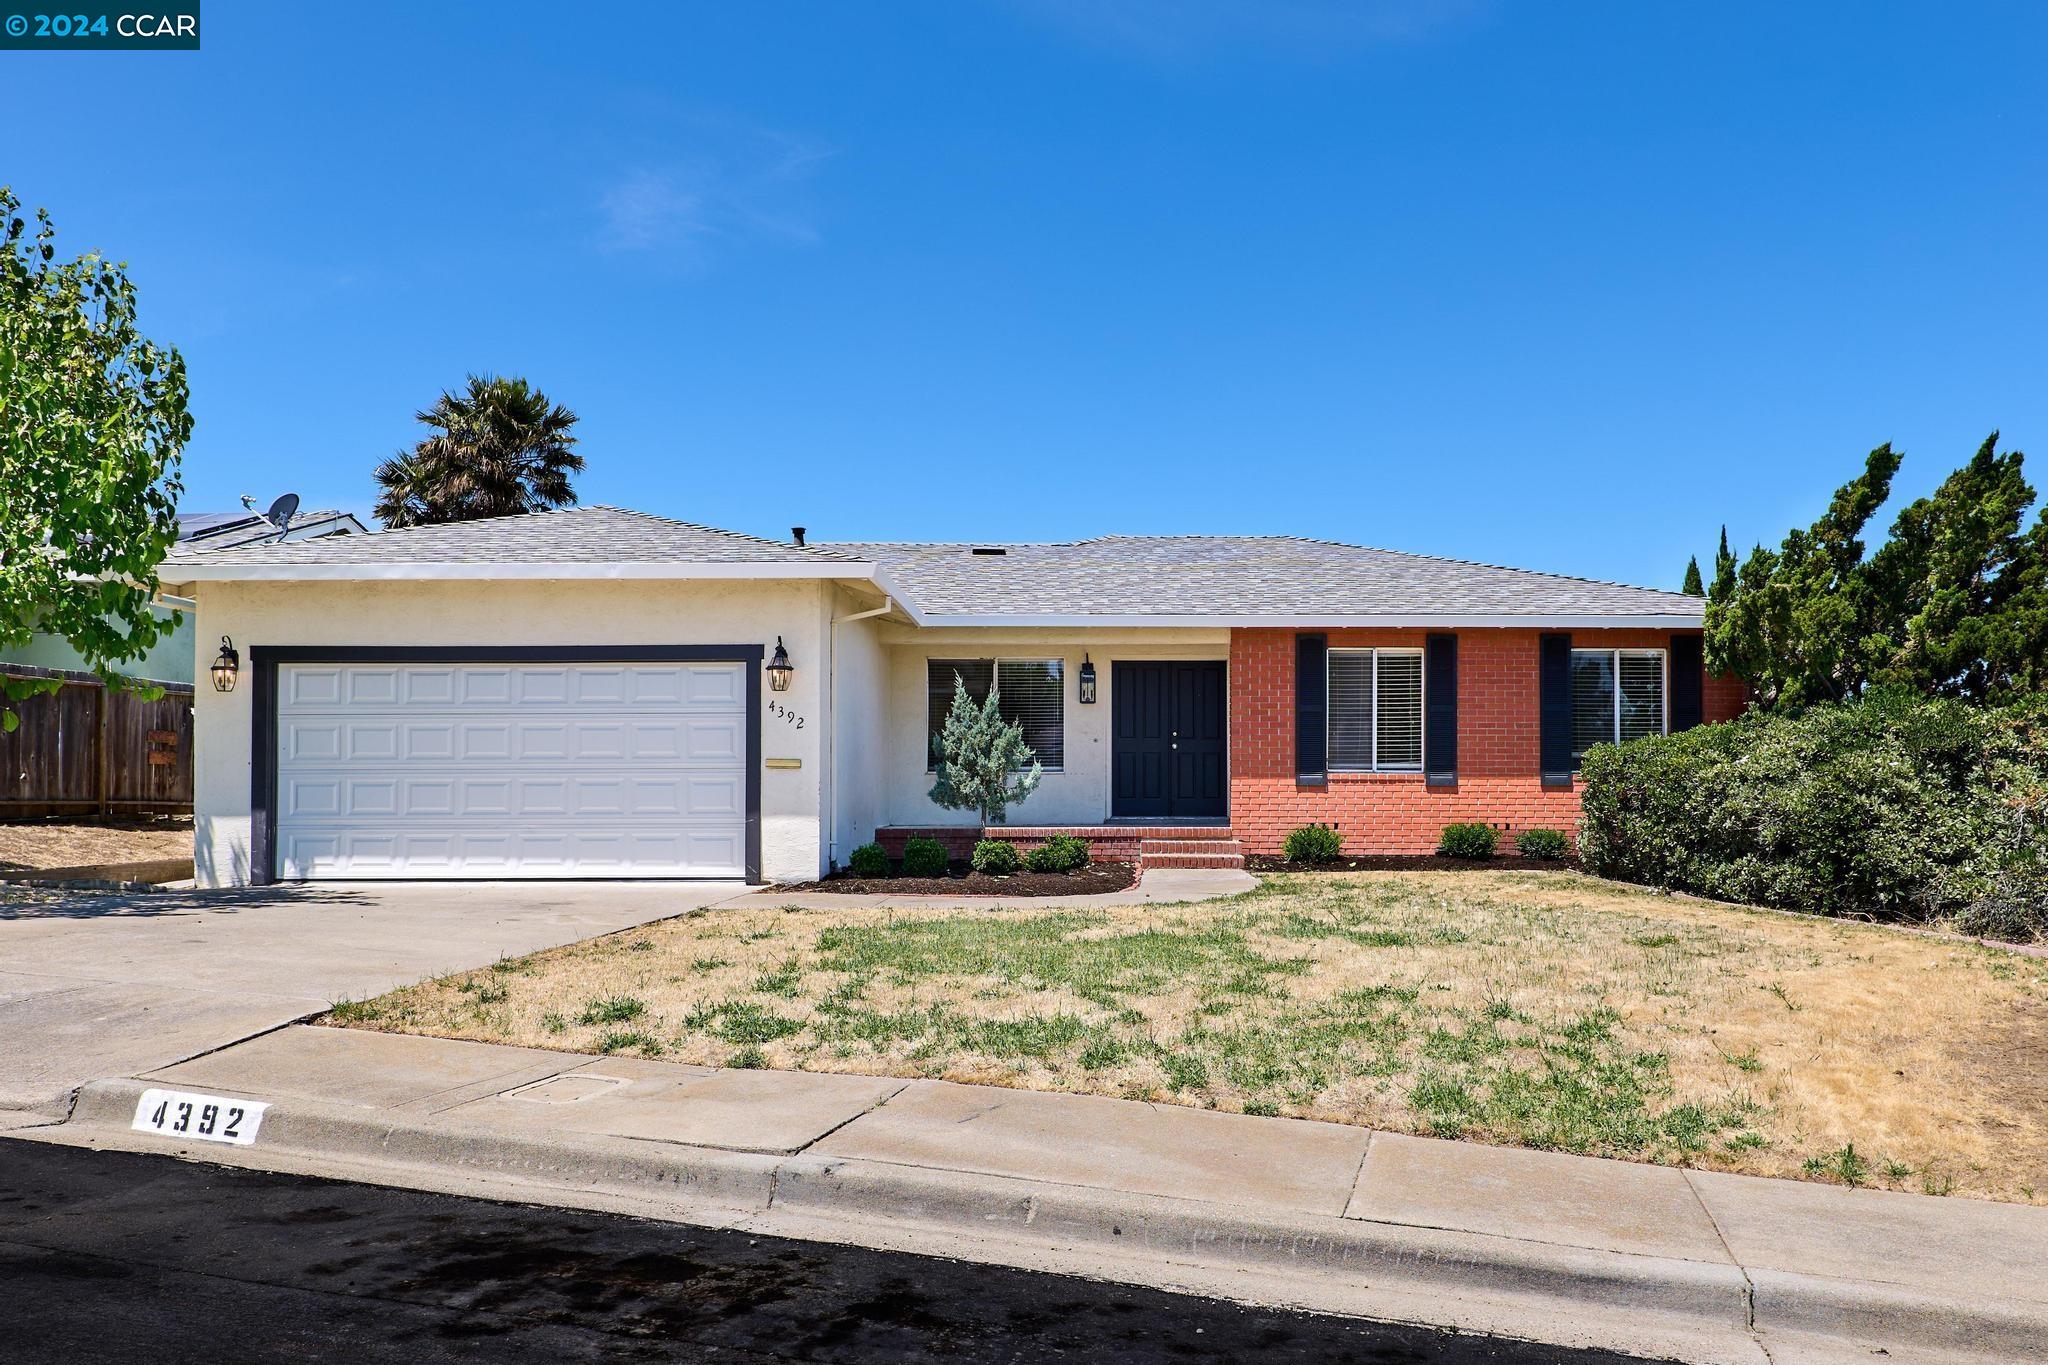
282,511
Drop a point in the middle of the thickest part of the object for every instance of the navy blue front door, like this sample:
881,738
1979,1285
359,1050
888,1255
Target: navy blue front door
1167,754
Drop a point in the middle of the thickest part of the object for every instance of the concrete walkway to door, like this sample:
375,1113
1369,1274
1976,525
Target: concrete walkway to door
96,984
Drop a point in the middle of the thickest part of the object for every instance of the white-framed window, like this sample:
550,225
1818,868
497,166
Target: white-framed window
1031,693
1617,694
1375,716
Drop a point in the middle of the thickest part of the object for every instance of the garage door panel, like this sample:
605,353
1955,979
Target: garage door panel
478,685
713,687
312,687
370,741
713,796
370,686
511,770
311,741
717,739
428,686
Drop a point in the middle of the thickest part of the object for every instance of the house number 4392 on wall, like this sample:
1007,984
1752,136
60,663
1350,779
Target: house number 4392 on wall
783,713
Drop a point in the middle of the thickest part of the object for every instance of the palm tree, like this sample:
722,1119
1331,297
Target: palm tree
499,448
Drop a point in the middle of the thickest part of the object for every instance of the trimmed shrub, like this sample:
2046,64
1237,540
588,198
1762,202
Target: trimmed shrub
1547,844
1312,844
1895,806
924,858
996,857
1468,841
1060,853
868,861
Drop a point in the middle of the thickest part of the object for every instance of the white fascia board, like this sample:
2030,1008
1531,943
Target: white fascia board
1434,621
188,572
890,588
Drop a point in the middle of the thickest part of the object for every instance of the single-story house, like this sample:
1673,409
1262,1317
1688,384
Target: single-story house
595,693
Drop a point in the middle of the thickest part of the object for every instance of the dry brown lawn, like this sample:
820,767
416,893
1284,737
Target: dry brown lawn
49,844
1538,1009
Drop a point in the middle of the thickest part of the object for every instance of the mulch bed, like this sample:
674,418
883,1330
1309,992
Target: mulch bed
1421,862
962,880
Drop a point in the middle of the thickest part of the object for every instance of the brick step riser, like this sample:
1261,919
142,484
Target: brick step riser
1224,860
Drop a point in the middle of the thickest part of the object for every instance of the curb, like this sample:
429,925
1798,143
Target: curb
717,1186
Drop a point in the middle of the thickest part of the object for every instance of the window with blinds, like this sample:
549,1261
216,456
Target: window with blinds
1617,695
1030,693
1375,722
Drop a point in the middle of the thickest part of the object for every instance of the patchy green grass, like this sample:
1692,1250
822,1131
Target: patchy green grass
1541,1009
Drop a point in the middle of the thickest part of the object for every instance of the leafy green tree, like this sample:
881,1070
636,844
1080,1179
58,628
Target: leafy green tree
1792,625
499,449
981,758
93,421
1693,587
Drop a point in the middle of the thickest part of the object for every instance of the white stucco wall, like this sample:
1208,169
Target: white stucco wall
504,613
1076,795
859,734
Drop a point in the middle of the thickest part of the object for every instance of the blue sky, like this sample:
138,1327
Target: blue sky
1555,285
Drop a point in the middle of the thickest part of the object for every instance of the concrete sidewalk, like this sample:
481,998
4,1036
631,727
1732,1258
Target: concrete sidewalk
1662,1262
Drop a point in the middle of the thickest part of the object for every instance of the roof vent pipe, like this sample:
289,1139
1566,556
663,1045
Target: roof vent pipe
796,533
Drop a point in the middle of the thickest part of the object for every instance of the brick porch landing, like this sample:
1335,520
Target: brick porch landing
1210,845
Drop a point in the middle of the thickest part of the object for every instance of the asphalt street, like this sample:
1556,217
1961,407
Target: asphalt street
110,1256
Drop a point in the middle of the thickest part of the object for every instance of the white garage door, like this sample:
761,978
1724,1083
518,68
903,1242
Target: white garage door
511,770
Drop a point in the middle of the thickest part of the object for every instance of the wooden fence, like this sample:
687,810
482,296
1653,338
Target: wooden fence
86,749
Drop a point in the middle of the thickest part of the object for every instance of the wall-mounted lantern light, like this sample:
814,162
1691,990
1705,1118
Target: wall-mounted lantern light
779,668
226,664
1087,681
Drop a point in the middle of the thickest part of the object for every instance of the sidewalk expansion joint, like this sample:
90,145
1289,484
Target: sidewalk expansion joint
852,1118
1748,1285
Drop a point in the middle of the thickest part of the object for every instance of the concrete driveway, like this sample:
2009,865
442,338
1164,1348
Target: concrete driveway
95,985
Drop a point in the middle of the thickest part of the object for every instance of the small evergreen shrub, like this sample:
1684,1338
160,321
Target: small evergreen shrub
868,861
1312,844
1547,844
980,760
1470,840
924,858
1060,853
995,857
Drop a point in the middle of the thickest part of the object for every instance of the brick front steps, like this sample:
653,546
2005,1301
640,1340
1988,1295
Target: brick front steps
1146,845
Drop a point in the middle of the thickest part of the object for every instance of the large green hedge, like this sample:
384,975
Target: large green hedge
1894,806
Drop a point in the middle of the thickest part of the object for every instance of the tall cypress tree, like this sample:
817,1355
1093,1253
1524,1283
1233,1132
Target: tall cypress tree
1724,571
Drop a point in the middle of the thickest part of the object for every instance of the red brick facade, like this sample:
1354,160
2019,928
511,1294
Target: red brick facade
1498,775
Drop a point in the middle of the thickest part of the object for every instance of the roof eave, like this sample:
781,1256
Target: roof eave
1314,621
244,572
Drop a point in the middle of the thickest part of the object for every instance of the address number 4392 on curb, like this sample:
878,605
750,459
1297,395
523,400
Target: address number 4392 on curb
208,1118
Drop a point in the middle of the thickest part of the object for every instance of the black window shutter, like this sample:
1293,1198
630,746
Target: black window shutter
1311,708
1440,725
1554,707
1688,681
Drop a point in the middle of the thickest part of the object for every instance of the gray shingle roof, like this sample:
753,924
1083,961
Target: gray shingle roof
578,535
1281,576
